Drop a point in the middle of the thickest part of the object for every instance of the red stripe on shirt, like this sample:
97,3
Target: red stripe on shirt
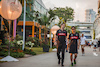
61,34
74,37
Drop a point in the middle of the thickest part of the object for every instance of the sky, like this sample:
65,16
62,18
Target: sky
79,6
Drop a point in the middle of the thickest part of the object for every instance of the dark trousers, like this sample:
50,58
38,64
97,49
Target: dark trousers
61,47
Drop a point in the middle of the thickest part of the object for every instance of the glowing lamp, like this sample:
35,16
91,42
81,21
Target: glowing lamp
11,9
54,29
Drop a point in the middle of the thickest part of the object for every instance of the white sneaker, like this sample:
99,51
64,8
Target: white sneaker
83,54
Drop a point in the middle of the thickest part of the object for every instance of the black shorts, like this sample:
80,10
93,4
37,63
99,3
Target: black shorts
61,47
73,49
89,45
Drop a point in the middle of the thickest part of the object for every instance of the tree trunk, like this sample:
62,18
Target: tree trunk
45,36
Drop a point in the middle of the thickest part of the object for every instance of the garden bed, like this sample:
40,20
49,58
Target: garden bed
15,52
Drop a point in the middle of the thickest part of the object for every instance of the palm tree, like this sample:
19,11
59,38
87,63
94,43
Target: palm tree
52,15
68,28
44,20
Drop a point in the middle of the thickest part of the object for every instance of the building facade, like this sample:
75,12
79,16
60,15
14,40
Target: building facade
32,27
84,28
40,7
97,27
97,23
90,15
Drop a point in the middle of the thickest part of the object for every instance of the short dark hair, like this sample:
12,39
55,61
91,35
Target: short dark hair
73,27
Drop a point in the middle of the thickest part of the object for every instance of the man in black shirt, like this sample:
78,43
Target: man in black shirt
60,40
73,45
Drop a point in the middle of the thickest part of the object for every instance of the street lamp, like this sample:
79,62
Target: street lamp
24,25
10,10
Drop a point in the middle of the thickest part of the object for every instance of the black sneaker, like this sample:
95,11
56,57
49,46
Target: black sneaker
62,61
66,51
74,61
62,65
59,61
71,64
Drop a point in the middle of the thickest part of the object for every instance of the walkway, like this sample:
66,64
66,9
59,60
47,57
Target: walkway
50,60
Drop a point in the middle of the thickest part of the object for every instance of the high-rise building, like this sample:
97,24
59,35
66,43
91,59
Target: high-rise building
90,15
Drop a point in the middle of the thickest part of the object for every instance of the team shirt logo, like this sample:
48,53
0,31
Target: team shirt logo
61,34
74,37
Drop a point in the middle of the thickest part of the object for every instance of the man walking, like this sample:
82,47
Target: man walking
83,43
95,44
73,45
60,40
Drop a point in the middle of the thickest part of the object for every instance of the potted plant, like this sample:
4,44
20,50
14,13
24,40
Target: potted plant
45,47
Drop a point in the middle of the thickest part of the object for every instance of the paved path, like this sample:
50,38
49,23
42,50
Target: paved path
50,60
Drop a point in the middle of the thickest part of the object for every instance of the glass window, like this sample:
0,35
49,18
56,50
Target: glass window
88,37
85,31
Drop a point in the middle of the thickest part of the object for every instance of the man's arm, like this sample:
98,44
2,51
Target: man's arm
67,37
55,40
78,43
67,44
85,42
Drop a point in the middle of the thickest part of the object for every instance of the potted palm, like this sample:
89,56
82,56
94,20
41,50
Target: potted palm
45,21
45,47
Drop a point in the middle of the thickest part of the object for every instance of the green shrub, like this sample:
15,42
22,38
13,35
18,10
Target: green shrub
18,55
6,42
4,54
30,39
29,51
33,40
18,37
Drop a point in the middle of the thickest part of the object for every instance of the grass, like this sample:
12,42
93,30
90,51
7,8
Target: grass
39,50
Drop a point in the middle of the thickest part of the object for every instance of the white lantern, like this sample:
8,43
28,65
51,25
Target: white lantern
54,29
11,9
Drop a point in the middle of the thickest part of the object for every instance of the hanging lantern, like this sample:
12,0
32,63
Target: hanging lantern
0,6
11,9
54,29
